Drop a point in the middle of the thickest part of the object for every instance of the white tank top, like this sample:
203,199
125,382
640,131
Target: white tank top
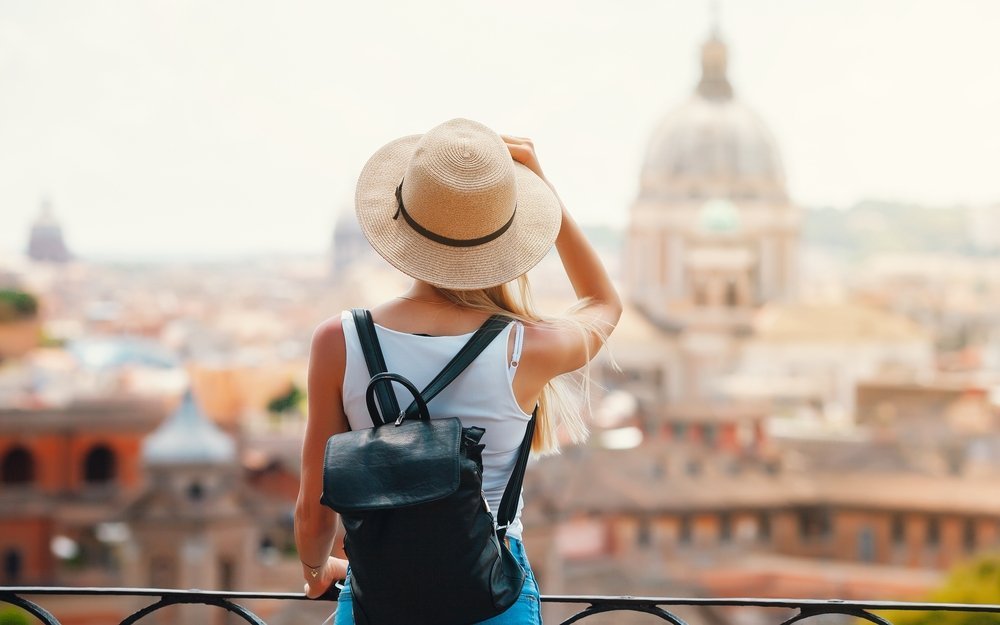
481,395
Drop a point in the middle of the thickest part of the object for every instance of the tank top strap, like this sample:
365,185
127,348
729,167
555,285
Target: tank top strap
515,356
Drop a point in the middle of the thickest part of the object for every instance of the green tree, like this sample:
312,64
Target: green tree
17,305
974,581
286,402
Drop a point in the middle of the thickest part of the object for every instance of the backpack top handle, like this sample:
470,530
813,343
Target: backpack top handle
422,413
376,365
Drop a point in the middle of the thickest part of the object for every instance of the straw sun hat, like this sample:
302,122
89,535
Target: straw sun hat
452,208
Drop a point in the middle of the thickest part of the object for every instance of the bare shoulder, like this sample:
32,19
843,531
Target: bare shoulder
546,336
328,341
552,349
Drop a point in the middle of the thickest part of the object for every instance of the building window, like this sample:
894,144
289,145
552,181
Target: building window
693,468
12,567
227,574
18,467
814,524
764,527
266,545
196,491
933,533
644,536
969,535
99,466
898,531
725,528
732,295
684,531
866,544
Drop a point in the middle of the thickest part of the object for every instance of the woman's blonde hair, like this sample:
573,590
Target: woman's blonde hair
564,398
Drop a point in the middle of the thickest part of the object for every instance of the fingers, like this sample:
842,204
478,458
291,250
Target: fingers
521,151
313,591
516,140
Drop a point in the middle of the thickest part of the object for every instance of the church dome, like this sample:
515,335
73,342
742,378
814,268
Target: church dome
45,242
713,144
188,437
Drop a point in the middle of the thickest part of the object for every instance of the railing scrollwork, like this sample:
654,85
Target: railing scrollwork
658,607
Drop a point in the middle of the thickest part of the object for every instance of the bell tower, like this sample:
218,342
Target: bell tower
192,527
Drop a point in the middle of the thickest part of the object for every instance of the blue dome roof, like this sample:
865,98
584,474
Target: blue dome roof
114,352
188,437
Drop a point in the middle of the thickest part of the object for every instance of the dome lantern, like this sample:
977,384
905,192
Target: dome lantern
714,83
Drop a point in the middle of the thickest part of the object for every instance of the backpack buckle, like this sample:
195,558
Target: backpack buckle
400,418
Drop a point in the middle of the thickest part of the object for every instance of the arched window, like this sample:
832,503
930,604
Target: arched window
99,466
17,467
195,491
12,567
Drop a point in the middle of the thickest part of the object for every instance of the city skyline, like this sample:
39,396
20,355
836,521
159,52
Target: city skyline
237,128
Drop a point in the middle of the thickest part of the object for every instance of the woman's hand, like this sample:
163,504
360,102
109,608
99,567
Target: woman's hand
333,569
522,150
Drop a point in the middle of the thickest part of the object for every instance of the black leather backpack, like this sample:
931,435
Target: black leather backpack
423,546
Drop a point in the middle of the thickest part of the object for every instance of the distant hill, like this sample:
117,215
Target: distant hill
878,227
864,229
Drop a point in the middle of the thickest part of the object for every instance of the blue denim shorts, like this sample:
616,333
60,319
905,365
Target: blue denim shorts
525,611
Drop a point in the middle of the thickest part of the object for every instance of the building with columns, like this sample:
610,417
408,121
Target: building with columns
712,235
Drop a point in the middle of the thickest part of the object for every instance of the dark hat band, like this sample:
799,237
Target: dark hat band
437,238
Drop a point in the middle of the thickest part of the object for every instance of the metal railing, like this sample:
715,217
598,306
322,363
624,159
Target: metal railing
659,607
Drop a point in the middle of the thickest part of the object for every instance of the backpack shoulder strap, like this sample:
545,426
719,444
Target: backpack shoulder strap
472,348
511,494
376,364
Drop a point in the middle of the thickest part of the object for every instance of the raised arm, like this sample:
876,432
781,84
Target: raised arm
566,348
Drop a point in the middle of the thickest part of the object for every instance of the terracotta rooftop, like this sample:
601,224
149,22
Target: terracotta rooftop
833,323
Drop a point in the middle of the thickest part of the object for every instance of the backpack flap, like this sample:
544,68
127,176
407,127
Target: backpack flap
393,466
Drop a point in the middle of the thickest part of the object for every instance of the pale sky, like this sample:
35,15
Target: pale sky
171,127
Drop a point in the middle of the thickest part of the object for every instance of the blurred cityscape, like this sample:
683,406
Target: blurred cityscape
798,402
